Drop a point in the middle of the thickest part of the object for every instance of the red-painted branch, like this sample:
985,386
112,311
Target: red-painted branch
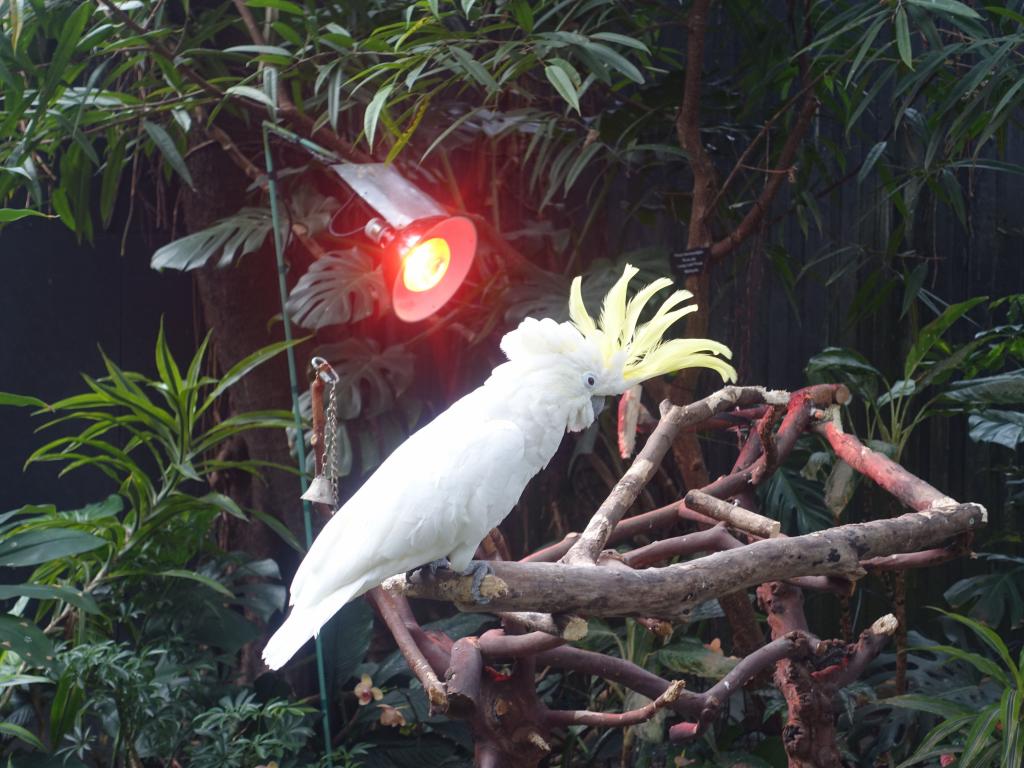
910,490
386,606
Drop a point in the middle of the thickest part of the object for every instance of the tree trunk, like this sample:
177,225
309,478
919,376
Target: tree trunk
238,304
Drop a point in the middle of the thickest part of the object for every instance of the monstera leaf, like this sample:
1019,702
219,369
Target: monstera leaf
341,287
369,379
236,235
243,233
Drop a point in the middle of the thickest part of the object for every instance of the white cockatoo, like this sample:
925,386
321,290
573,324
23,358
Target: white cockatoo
439,494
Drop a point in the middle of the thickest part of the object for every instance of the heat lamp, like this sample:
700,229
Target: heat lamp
427,252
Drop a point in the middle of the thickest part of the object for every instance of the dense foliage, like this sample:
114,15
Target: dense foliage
560,128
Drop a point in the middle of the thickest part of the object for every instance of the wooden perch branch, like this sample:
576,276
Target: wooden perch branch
541,602
593,539
735,516
672,592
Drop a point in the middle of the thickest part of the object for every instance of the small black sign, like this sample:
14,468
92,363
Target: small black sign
688,263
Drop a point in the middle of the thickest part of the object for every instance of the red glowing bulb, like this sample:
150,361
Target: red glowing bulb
423,267
432,267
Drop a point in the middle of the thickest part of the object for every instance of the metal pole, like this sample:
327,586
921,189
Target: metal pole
293,379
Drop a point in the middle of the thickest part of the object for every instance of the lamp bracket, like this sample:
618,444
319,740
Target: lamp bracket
383,188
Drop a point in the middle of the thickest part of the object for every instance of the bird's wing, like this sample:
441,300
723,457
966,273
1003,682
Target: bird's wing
436,490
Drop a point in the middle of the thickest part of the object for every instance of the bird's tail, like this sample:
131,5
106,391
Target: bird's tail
304,623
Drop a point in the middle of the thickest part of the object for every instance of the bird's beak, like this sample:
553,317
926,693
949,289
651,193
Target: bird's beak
598,404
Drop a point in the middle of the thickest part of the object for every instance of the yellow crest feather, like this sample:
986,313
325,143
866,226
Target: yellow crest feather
645,353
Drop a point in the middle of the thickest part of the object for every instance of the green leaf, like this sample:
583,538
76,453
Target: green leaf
1001,389
27,640
931,333
69,595
20,401
236,235
933,704
902,388
16,17
903,38
111,181
252,94
870,160
977,739
281,5
346,640
66,707
169,150
562,82
206,581
279,528
373,110
245,366
690,657
474,69
1004,428
339,288
946,7
614,37
42,546
13,729
8,215
615,60
912,287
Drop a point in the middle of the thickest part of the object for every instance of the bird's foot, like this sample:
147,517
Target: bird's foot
478,569
441,564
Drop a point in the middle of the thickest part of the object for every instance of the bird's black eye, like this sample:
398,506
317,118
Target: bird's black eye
589,379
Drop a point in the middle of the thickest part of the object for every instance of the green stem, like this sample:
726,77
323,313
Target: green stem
293,379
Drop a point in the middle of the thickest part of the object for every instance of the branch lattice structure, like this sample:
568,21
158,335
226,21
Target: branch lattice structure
544,599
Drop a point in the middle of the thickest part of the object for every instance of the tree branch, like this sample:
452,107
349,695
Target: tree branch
593,539
671,592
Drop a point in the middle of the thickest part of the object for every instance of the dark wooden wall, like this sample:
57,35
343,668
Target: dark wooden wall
60,302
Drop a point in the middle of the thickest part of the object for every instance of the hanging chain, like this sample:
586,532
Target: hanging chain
331,437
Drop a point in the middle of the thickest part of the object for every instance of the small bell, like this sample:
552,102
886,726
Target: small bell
320,491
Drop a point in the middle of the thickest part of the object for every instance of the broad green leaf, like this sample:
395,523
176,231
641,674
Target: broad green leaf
995,643
206,581
933,704
42,546
111,180
931,333
691,657
373,110
1004,428
474,69
946,7
903,38
274,50
163,141
243,367
9,398
16,17
1001,389
282,5
340,287
19,732
900,389
1012,729
8,215
28,641
252,94
66,707
870,160
562,82
614,37
977,739
236,235
69,595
